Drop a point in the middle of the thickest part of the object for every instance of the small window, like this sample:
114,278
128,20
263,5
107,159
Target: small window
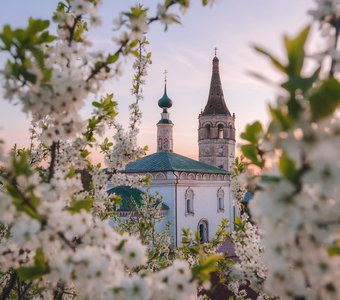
166,144
207,128
203,230
189,201
189,207
220,131
220,200
220,204
160,144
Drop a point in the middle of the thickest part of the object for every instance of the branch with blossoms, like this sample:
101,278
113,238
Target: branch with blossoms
242,276
295,203
54,219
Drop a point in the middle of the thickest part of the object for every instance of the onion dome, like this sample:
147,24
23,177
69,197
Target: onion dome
165,102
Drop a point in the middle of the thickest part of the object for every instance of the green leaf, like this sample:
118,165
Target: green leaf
96,104
29,76
20,163
252,132
206,266
36,25
300,83
239,224
6,36
134,43
296,51
281,117
39,56
288,168
39,258
39,268
71,173
325,99
78,205
47,75
85,153
276,63
250,152
112,58
334,250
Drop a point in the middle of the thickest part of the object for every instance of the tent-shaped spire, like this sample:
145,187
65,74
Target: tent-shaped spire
216,104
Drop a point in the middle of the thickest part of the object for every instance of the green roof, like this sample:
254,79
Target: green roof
165,121
169,161
127,193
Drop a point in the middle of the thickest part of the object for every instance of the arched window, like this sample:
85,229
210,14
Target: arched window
220,131
189,201
207,131
203,230
160,144
166,144
220,200
189,208
220,204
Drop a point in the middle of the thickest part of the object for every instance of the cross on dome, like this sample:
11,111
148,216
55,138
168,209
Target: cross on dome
165,76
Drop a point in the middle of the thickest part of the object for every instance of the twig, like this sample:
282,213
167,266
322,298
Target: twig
337,33
52,163
105,64
73,29
67,242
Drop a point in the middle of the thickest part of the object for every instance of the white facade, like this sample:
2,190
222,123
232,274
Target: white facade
204,190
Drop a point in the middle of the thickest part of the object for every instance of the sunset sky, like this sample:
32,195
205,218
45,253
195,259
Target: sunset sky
186,51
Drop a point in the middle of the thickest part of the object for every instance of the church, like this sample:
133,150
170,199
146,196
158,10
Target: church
195,194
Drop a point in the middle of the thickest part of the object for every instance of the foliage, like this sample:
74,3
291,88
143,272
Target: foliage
296,203
142,221
55,217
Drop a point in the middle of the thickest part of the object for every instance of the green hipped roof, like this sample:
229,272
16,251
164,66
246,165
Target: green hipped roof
127,193
169,161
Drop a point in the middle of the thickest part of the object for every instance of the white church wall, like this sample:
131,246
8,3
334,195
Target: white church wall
166,189
205,206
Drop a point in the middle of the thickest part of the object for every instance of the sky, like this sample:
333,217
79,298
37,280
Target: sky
186,52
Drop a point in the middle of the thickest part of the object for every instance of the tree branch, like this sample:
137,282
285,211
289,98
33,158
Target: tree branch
10,285
52,163
337,33
73,29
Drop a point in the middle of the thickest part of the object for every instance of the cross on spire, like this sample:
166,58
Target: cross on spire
215,51
165,76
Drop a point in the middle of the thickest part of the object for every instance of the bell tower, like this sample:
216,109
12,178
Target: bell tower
216,129
165,125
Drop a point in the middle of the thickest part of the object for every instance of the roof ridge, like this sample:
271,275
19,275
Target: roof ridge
170,161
